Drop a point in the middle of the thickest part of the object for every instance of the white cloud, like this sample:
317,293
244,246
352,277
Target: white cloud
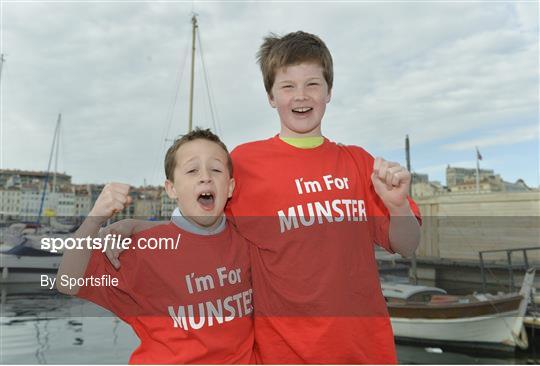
430,70
527,16
505,137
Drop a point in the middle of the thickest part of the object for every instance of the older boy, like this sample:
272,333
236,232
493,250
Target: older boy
313,210
188,303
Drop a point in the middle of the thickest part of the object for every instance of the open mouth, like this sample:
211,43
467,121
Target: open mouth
302,110
206,200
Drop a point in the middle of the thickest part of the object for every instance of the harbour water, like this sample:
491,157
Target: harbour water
41,327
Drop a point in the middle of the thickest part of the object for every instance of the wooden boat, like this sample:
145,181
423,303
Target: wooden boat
428,314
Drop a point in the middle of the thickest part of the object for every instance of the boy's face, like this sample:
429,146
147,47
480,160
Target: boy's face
300,94
202,183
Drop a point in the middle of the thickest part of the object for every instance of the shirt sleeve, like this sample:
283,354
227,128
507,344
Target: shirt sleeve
119,299
378,214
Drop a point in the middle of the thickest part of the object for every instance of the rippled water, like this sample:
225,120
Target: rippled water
40,327
37,327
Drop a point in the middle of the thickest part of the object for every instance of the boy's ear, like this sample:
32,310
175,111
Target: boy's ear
271,100
232,184
329,96
169,188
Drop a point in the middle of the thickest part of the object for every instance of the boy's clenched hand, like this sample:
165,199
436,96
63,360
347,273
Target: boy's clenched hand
122,229
112,199
391,182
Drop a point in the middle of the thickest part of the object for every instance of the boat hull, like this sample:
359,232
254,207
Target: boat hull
25,269
493,329
455,310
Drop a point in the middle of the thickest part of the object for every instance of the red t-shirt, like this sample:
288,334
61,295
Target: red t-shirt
313,217
189,304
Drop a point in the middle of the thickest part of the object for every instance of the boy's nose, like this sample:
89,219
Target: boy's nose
300,95
205,177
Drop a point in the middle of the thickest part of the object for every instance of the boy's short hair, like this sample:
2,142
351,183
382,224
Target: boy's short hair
292,49
196,134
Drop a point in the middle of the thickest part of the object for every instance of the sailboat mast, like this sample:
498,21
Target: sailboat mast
46,180
2,59
194,30
413,273
57,147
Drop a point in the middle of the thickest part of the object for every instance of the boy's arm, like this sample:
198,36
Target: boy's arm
404,231
125,228
114,198
391,181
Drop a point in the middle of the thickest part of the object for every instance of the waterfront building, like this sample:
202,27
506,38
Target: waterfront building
10,203
30,201
427,189
463,180
419,178
16,177
148,202
167,205
456,175
82,199
58,203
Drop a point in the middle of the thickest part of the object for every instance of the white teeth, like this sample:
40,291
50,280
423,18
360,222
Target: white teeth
206,194
303,109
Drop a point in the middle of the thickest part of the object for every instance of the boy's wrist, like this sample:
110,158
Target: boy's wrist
134,224
95,220
403,210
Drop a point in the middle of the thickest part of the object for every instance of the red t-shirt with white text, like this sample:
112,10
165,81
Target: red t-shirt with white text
191,304
313,218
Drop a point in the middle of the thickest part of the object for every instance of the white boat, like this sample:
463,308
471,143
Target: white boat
24,264
426,314
15,233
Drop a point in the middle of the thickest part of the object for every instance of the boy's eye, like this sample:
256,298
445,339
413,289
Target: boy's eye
313,84
216,170
192,171
287,86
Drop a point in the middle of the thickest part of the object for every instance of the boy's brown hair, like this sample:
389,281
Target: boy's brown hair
196,134
292,49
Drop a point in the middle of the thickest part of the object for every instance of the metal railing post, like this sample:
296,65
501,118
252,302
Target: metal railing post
510,271
482,272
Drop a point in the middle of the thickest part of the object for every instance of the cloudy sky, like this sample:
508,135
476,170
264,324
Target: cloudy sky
451,75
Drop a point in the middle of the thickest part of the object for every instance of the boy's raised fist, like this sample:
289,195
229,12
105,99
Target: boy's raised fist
391,182
113,198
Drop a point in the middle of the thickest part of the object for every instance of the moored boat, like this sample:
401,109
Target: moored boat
428,314
24,263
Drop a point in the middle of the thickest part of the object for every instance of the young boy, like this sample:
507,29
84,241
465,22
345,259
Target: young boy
313,210
188,301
